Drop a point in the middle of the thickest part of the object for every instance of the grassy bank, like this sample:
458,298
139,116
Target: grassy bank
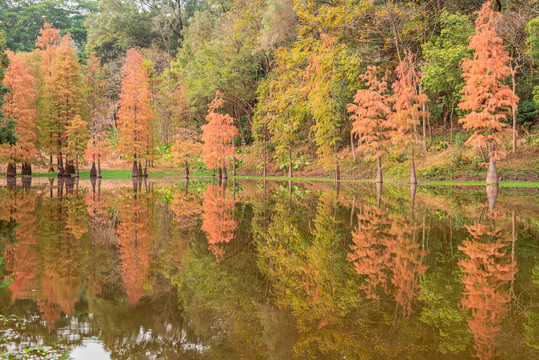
126,174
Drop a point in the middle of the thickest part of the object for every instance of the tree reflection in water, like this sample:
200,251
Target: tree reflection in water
308,272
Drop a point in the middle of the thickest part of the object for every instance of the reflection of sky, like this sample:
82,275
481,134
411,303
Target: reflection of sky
90,350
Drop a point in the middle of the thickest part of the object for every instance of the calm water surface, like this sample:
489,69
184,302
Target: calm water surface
269,270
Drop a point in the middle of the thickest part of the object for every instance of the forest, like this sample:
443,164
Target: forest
435,90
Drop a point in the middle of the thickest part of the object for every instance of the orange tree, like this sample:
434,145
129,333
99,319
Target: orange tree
135,113
61,91
20,106
185,147
485,95
95,82
218,134
370,110
408,102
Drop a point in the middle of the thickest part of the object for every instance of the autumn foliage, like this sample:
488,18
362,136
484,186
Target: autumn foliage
217,136
485,95
20,105
408,103
135,113
370,110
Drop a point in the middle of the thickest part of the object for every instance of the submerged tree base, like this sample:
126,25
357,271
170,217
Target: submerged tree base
492,174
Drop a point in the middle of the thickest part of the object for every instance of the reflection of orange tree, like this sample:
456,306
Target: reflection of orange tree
486,272
134,238
218,219
21,257
62,257
369,252
385,247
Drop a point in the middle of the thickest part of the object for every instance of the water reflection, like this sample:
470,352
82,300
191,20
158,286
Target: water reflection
269,270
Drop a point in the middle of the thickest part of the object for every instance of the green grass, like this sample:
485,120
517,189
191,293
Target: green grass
126,174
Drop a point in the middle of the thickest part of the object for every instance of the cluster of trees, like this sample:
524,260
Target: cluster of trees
292,76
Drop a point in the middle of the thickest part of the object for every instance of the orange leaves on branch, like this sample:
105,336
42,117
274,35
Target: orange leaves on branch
135,113
218,219
98,146
485,94
218,134
21,105
185,145
370,110
407,103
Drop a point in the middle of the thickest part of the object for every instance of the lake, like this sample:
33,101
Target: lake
257,269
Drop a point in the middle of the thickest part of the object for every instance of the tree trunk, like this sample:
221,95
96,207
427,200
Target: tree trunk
99,166
290,163
76,166
26,169
220,170
26,182
51,167
379,177
413,189
140,169
413,178
451,121
233,159
11,170
186,170
492,196
146,169
514,110
93,170
225,175
379,188
265,155
353,146
134,172
337,172
492,174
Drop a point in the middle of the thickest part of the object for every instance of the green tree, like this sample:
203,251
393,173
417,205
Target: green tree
532,29
22,20
442,74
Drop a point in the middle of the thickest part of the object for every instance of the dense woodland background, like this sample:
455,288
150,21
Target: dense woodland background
285,72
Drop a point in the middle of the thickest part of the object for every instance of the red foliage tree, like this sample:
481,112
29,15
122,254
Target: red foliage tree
99,108
485,95
61,92
370,117
20,105
186,147
135,113
217,136
407,113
